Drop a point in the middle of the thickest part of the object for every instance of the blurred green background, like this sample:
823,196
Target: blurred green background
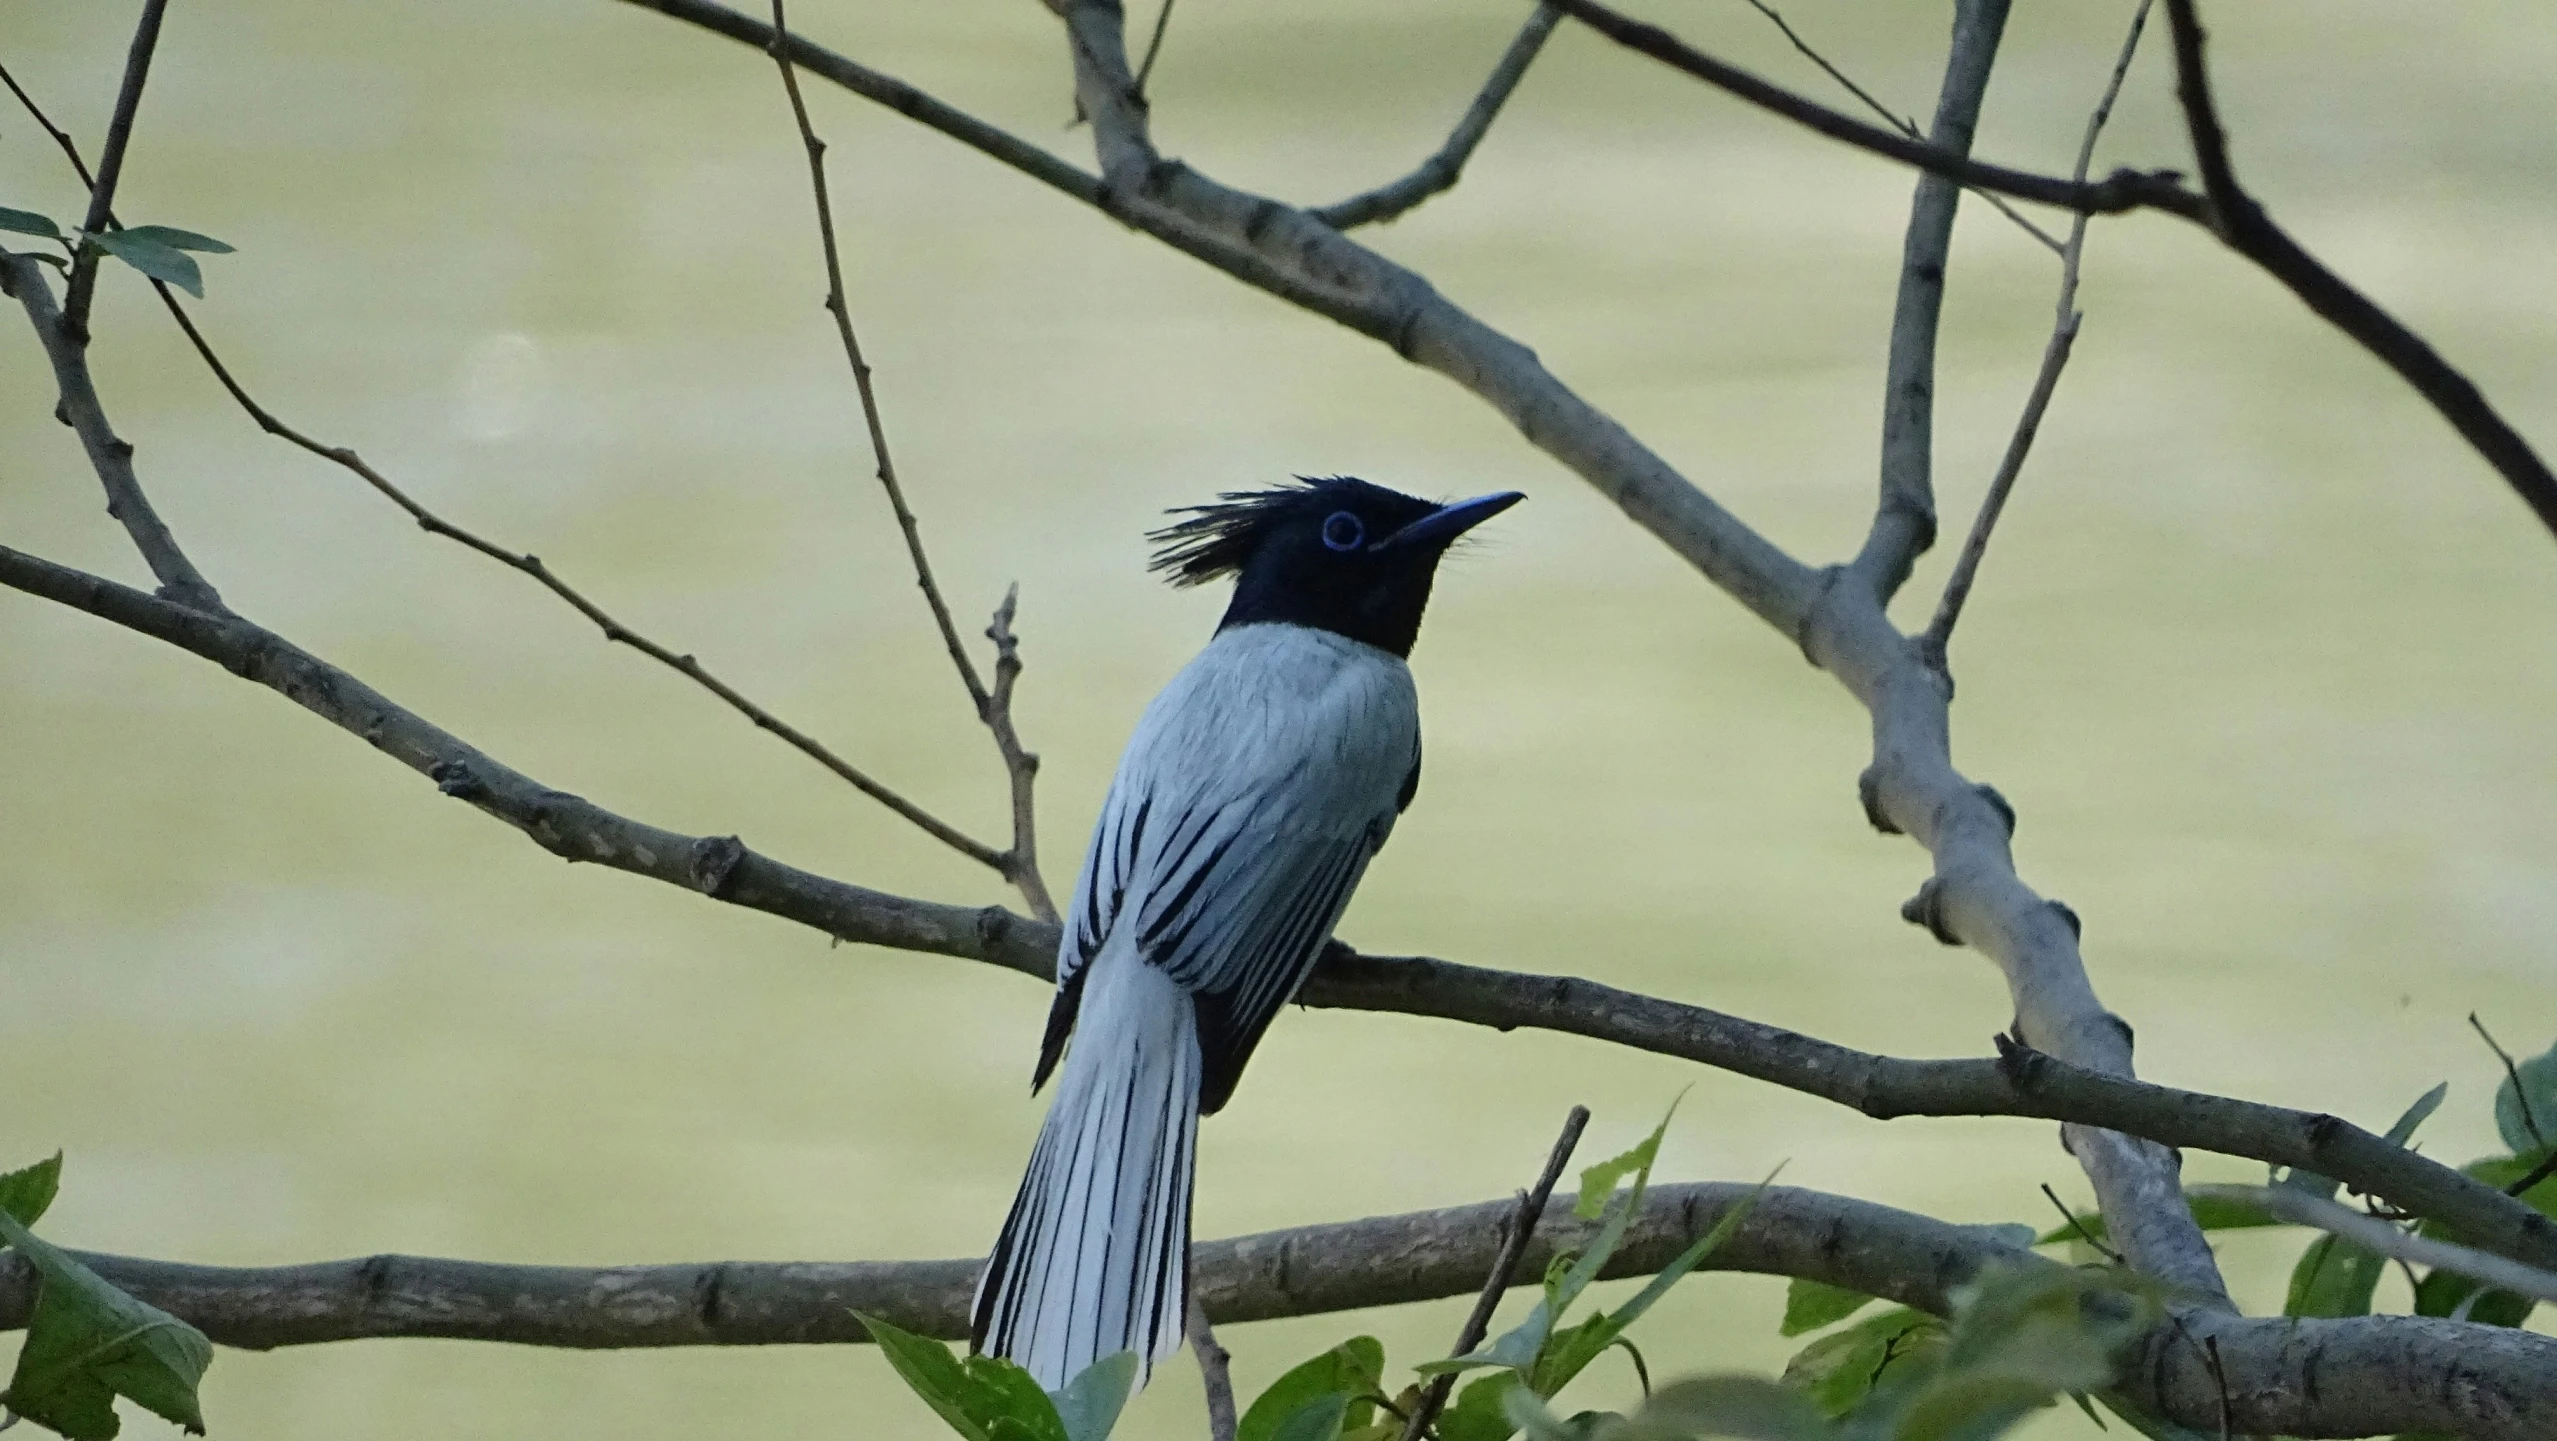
2265,658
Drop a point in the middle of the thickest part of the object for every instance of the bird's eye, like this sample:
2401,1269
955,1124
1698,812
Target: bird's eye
1343,531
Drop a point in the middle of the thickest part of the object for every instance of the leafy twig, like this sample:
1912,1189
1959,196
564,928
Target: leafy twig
2373,1234
1522,1226
2512,1073
2055,356
1020,864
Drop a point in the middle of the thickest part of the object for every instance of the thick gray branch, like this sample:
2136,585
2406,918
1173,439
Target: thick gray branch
111,456
2299,1378
1904,523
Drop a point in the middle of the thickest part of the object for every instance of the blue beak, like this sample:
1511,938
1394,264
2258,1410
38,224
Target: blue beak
1449,521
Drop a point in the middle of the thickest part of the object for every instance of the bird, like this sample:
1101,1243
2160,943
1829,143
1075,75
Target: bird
1257,786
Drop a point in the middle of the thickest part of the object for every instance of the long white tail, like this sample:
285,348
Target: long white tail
1094,1259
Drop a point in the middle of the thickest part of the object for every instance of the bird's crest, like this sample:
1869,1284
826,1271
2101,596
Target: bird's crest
1218,539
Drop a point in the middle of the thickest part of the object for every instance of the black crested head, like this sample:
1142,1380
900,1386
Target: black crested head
1339,554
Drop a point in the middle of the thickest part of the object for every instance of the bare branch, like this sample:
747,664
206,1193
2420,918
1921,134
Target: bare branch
1216,1373
2055,357
60,136
2372,1374
1904,521
1516,1233
1897,121
2228,211
1020,864
1441,171
2378,1236
128,102
109,455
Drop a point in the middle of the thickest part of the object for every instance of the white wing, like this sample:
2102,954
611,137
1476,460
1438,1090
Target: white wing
1245,810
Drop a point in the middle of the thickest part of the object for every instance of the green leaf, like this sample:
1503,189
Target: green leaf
1598,1183
1573,1350
1480,1412
1746,1407
1355,1368
2442,1294
25,1194
2538,1077
1090,1403
27,222
2334,1277
2505,1172
983,1398
1838,1371
153,259
1810,1305
172,238
88,1343
1526,1411
2425,1105
1320,1419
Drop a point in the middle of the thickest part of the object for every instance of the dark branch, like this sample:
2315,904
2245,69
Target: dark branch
128,102
2121,191
1519,1230
1442,170
109,454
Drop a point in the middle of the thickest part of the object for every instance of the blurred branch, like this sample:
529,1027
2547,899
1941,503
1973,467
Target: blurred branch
2055,357
2379,1237
1154,51
109,455
1904,520
1020,864
128,102
2225,209
2358,1376
1899,122
1442,170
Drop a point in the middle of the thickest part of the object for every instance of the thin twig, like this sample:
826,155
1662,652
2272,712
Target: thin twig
2512,1073
2546,1168
2089,1237
2055,357
1899,122
1215,1372
1153,48
1441,170
2375,1235
532,565
128,101
1522,1226
60,136
1020,864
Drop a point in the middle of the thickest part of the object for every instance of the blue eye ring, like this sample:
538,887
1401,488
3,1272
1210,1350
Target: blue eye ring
1343,531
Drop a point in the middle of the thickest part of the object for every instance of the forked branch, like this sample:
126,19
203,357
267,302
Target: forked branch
1020,864
1442,169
